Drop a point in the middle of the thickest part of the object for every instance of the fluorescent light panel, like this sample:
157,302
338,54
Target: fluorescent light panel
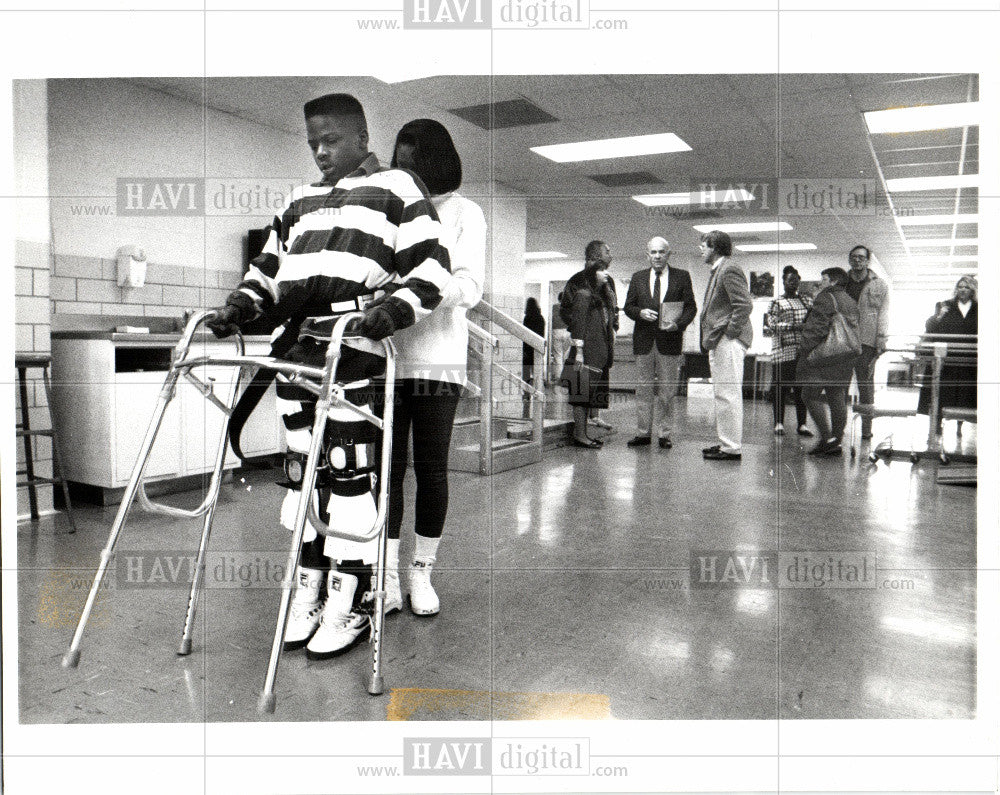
923,117
943,242
532,255
777,247
909,184
937,220
694,197
952,258
608,148
761,226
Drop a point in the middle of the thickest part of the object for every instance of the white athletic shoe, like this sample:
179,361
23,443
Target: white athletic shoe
306,608
340,629
779,429
423,599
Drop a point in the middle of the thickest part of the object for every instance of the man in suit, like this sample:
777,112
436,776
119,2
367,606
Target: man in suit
726,334
657,350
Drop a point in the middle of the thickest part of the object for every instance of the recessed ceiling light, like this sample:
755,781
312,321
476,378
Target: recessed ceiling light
777,247
710,197
608,148
937,220
908,184
530,255
764,226
943,242
923,117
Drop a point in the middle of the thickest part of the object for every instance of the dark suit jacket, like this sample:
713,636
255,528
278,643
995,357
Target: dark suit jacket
668,343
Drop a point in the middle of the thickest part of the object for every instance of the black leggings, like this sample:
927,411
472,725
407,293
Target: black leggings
784,381
428,408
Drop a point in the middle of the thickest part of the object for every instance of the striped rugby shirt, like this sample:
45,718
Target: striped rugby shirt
337,243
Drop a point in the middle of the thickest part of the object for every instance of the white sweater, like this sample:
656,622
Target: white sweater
435,348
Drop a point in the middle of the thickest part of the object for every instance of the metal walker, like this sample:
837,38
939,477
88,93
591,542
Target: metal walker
318,381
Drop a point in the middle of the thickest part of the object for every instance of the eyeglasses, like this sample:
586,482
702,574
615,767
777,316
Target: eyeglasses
857,258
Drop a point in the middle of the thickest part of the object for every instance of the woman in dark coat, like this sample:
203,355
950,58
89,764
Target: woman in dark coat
534,321
832,376
960,315
589,310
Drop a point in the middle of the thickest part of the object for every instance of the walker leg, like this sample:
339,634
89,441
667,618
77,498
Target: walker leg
375,683
267,701
196,584
199,572
72,656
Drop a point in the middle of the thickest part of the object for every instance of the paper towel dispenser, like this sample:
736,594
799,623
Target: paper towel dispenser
131,266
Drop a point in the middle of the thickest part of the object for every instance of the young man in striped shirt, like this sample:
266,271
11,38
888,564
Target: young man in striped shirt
364,238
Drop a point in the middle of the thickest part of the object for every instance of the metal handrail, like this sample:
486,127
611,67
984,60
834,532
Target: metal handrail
481,334
510,325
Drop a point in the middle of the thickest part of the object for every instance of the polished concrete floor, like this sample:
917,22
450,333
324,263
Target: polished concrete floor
565,593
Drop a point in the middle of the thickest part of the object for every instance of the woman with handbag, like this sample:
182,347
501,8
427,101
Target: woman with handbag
589,309
829,345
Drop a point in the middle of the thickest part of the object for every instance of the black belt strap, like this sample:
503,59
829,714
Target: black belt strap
258,386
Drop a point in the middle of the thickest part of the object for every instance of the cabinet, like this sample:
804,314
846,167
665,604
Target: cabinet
104,390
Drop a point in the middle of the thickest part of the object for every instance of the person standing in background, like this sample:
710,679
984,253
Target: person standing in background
612,301
657,348
534,321
784,320
431,364
832,376
872,297
589,310
958,315
726,334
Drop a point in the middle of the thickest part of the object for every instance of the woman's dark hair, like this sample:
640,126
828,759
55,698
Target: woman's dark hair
436,160
592,250
719,242
789,269
836,275
532,309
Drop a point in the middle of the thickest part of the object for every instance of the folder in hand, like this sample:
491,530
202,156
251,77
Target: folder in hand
670,312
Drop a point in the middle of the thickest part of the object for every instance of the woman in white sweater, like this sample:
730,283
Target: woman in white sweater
431,363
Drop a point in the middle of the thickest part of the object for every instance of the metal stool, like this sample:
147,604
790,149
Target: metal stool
23,362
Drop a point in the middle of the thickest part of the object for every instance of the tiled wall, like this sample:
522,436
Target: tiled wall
31,318
87,285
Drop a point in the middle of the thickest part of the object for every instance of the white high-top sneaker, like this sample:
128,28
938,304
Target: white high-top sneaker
423,599
340,629
306,608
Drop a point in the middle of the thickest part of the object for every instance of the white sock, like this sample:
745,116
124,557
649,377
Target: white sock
392,554
426,548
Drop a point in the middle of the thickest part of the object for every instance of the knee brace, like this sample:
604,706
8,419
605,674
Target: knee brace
346,479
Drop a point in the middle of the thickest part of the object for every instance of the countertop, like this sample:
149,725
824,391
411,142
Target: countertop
156,339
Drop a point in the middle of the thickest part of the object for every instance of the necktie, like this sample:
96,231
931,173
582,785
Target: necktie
656,288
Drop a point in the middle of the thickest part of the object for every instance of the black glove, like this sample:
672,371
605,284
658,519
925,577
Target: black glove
377,324
226,321
239,309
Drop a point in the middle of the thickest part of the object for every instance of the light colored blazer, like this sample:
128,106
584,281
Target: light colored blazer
727,306
874,307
